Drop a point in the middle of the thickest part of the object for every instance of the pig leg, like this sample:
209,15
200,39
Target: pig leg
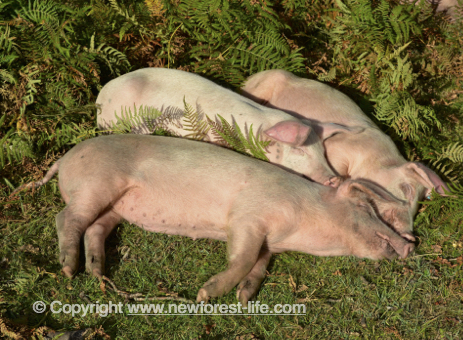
70,226
244,244
94,240
71,223
250,285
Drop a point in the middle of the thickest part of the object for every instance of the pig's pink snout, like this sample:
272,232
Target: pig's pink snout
334,181
400,246
410,247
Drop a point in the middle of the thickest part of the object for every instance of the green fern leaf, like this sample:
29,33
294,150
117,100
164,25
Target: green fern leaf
194,122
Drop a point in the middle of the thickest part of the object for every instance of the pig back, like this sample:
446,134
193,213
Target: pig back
348,154
304,98
181,182
167,90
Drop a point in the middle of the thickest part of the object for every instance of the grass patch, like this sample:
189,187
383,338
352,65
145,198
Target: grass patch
401,63
349,298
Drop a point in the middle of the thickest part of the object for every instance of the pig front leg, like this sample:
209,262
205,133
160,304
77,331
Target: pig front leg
250,285
94,240
244,244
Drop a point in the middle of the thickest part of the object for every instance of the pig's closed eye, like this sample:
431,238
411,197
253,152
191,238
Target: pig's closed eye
298,151
408,191
366,207
389,216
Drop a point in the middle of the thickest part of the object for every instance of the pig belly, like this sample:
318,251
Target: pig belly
167,216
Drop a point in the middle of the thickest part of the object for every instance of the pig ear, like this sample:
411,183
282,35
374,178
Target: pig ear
361,187
326,130
428,178
289,132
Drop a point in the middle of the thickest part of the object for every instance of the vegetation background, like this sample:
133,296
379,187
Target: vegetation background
402,63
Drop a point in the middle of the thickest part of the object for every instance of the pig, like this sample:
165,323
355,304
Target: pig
370,155
447,6
200,190
297,145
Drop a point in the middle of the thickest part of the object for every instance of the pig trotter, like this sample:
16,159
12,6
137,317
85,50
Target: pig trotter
243,250
250,285
68,245
69,264
202,296
209,290
94,240
70,226
224,282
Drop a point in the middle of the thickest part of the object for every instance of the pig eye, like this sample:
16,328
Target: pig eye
367,208
408,191
389,216
297,151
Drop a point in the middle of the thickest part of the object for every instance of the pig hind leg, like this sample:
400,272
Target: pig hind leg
71,223
94,240
244,245
250,285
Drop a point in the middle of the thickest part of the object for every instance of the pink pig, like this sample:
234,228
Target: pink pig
183,187
370,155
297,147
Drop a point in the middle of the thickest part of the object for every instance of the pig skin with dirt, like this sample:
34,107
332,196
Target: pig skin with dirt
370,154
297,146
182,187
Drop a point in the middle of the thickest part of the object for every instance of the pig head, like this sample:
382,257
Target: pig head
296,146
182,187
369,154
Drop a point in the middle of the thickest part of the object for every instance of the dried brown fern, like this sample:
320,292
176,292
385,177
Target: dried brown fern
155,7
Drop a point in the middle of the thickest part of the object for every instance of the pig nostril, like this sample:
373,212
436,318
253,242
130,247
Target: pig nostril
408,249
408,237
334,181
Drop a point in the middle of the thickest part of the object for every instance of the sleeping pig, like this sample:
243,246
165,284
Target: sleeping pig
183,187
370,154
297,146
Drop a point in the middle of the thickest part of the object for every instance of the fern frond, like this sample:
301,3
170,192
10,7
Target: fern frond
453,152
232,137
408,118
131,20
448,161
254,145
141,120
225,134
13,147
194,122
444,209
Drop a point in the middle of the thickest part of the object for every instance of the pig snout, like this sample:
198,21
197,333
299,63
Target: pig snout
409,248
396,246
334,181
408,236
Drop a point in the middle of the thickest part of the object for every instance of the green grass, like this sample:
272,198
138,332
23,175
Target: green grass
347,298
54,58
